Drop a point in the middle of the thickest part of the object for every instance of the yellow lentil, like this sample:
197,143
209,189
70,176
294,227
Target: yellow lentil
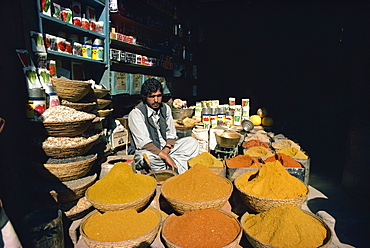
271,181
121,185
120,225
286,227
198,184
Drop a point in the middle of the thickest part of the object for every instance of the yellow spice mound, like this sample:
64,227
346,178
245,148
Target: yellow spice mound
198,184
286,227
285,144
207,159
258,151
271,181
121,185
120,225
294,153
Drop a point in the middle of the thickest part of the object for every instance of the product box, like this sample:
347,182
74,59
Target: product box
76,9
137,80
118,139
114,54
121,82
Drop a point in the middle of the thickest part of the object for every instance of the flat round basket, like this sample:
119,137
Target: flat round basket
233,244
100,93
64,170
80,106
102,103
142,241
182,207
60,151
104,112
138,204
71,90
77,209
258,244
259,204
68,128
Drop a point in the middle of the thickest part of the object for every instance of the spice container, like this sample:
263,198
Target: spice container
206,117
86,48
214,113
97,50
229,118
36,103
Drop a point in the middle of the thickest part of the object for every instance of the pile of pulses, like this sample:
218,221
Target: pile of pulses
68,141
64,114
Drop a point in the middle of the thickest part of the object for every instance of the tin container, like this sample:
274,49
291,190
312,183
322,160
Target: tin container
97,50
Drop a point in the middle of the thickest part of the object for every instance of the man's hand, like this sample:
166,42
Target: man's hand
169,161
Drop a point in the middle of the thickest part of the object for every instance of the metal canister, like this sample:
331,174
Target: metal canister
97,50
36,103
229,119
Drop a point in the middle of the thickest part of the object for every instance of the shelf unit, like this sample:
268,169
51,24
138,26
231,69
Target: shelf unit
91,69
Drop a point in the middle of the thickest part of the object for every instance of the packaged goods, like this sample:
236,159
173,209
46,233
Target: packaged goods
288,226
121,185
205,228
271,181
198,184
113,226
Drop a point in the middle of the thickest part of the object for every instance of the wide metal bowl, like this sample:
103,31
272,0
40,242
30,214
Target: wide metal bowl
228,139
182,113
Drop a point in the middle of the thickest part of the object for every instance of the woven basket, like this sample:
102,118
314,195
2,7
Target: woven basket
104,112
258,244
71,151
71,190
182,207
77,209
67,171
100,93
141,241
102,103
138,204
68,128
233,244
259,204
80,106
70,90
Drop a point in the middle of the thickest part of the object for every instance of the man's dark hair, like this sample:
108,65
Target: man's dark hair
149,86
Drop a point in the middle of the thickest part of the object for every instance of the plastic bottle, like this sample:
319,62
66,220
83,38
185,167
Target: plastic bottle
86,48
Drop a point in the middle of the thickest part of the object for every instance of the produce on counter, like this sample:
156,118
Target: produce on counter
262,112
271,181
206,228
242,161
258,151
255,142
285,144
285,160
113,226
294,153
121,185
255,119
198,184
267,121
288,226
206,159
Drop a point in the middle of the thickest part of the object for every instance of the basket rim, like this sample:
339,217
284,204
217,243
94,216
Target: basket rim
269,199
203,202
84,219
329,233
74,163
70,122
238,237
152,191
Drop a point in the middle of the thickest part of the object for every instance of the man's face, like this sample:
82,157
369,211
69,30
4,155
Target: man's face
154,99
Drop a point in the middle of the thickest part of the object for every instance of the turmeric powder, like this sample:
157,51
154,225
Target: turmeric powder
258,151
198,184
285,226
206,228
113,226
207,159
271,181
121,185
242,161
294,153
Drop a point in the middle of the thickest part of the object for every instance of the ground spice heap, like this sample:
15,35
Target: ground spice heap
285,160
113,226
285,144
271,181
207,228
198,184
258,151
242,161
253,143
121,185
207,159
285,226
294,153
